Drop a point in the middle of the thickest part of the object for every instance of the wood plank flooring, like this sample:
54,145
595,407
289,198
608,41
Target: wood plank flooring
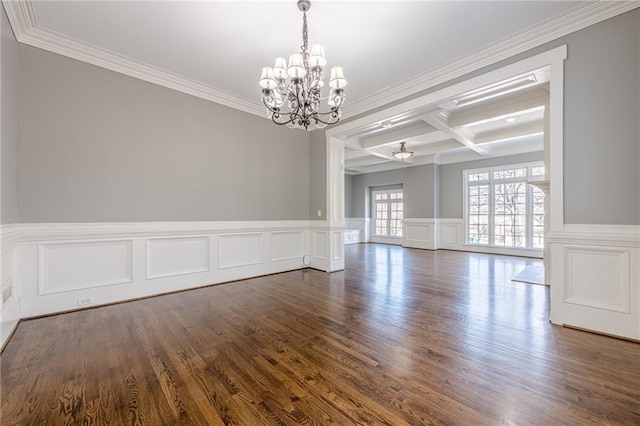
401,337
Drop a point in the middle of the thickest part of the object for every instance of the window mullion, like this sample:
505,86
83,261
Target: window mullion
491,211
529,233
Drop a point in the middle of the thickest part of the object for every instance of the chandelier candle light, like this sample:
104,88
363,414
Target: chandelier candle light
299,85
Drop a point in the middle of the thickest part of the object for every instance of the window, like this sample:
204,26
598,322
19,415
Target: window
387,213
502,210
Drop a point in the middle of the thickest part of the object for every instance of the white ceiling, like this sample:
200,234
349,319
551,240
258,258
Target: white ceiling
224,44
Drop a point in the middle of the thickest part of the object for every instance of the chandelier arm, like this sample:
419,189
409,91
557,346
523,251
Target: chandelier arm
277,113
330,121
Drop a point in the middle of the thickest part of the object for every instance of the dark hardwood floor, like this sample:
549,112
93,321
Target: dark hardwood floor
401,337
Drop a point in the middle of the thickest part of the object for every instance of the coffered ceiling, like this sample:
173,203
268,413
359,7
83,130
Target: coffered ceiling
498,119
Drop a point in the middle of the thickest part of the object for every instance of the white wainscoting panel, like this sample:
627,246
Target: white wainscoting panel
9,291
598,278
288,245
240,250
172,256
356,230
352,236
73,265
419,233
320,248
63,267
338,245
595,278
450,234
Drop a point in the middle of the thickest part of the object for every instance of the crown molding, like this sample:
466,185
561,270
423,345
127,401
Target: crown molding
27,31
25,26
572,20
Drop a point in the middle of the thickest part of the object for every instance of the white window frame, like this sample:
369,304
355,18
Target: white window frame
384,239
491,182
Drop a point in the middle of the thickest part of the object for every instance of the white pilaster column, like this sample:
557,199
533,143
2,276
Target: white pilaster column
335,204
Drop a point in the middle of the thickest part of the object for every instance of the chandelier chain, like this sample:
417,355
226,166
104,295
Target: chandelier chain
305,32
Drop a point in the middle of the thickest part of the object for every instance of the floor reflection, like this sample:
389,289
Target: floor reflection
491,311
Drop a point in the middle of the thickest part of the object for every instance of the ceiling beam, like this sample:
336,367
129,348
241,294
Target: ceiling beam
352,143
440,121
397,136
364,161
511,132
421,151
427,159
498,110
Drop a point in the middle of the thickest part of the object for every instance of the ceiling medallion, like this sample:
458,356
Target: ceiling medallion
299,86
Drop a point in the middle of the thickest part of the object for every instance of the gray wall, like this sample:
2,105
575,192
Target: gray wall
348,195
9,113
602,138
99,146
418,183
601,110
451,190
317,175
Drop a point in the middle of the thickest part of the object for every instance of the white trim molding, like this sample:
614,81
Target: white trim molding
595,278
335,205
27,30
63,231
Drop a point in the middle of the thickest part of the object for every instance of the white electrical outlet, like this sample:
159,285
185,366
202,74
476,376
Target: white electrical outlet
319,213
85,301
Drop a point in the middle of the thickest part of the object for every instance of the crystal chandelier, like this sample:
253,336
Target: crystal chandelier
299,86
403,154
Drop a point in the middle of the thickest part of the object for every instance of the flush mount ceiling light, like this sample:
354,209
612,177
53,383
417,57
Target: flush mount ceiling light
299,86
403,154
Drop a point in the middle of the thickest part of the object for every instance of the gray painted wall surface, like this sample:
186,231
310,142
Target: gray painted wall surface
601,110
348,195
601,113
98,146
451,190
317,175
9,113
417,183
